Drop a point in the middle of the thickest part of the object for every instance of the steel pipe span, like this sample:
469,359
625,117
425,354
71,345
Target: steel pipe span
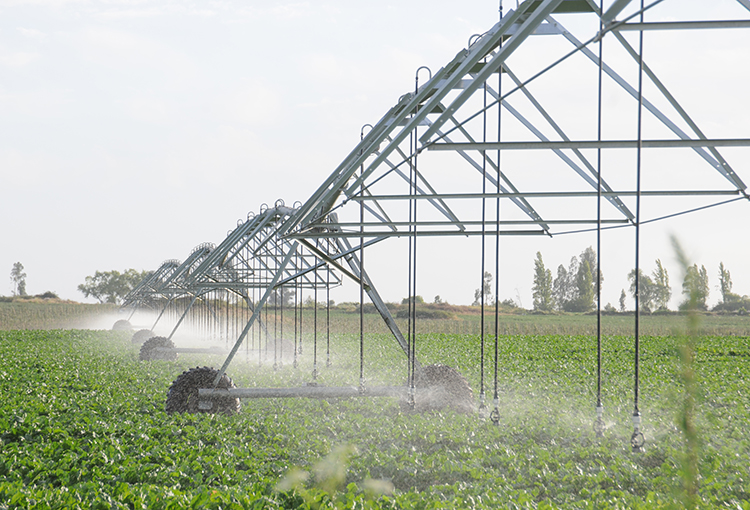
306,392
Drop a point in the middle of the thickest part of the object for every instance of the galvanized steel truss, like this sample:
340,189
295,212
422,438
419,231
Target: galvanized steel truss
437,161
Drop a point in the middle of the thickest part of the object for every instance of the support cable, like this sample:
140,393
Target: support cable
482,405
653,220
301,315
599,422
409,295
495,413
527,82
315,316
409,300
328,312
281,327
257,268
637,440
265,310
295,363
362,274
276,316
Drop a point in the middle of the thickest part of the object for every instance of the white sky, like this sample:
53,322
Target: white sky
133,131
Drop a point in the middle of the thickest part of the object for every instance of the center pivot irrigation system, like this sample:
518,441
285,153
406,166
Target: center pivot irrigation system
517,118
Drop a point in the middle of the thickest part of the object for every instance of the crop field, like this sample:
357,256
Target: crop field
54,314
83,426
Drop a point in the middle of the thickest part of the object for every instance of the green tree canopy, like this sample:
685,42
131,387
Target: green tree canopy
485,292
695,284
18,279
283,296
543,286
646,290
728,298
111,286
585,288
414,299
574,290
563,288
662,290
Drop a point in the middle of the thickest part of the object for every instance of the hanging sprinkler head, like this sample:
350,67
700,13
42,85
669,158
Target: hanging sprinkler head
495,414
599,422
637,440
411,400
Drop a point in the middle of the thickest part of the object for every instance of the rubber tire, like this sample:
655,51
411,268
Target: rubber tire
140,336
148,353
122,325
182,396
441,387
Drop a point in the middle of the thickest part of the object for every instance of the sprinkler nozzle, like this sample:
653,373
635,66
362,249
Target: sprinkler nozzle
411,400
637,440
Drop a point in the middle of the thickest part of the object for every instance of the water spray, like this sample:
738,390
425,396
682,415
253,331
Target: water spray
599,422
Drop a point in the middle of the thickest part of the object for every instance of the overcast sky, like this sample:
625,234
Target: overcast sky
133,131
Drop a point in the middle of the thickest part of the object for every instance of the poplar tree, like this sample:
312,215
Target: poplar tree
662,290
646,288
695,284
542,290
18,279
585,286
725,284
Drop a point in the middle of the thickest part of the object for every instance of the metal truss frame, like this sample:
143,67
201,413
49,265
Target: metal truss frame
435,151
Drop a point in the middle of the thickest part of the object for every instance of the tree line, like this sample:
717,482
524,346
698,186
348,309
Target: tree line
111,286
574,288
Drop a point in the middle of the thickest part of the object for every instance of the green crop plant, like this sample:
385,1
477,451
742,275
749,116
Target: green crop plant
83,425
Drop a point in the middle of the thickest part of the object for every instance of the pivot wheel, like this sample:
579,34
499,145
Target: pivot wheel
151,349
441,387
122,325
182,396
140,336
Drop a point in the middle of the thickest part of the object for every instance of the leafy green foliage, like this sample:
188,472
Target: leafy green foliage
111,286
83,425
40,314
695,287
574,289
18,279
730,302
654,291
544,300
485,294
